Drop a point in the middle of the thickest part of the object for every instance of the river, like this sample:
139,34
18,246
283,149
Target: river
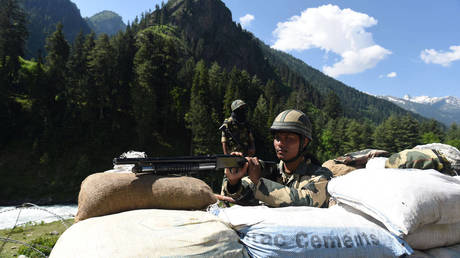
11,216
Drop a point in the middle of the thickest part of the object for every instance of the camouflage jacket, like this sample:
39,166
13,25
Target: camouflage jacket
306,186
242,134
421,159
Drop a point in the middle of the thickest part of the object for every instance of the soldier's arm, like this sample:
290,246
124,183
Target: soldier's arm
311,192
223,140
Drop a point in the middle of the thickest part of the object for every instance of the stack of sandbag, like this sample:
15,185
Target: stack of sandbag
311,232
109,193
351,161
150,233
422,206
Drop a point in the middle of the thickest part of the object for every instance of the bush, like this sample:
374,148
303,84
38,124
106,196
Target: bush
43,243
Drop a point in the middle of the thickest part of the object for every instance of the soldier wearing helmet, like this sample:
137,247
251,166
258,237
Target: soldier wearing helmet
299,180
237,135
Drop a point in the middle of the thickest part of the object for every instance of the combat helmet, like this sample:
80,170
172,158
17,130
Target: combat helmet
237,104
292,120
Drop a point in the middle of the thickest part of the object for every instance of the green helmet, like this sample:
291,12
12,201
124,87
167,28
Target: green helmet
237,104
292,120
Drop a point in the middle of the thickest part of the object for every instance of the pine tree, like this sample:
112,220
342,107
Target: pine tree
332,105
199,118
13,34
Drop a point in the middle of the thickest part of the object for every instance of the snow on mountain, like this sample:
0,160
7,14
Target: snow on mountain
443,109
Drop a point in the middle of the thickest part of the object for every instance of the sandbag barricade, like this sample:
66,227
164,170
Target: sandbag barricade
311,232
109,193
150,233
404,200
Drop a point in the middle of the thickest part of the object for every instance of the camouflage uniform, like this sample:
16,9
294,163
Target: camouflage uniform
242,133
421,159
306,186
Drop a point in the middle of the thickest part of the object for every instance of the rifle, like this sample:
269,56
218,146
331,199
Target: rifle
229,135
190,165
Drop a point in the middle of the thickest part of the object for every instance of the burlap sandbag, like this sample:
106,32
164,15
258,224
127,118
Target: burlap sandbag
337,168
108,193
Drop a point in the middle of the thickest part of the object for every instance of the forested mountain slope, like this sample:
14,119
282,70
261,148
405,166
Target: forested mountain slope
107,22
43,16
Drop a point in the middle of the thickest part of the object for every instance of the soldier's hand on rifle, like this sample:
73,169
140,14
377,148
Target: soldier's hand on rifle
254,169
234,175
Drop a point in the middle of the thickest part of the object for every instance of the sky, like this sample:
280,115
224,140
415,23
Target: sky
391,47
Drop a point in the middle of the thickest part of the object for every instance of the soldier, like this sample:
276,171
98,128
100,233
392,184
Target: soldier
236,132
298,180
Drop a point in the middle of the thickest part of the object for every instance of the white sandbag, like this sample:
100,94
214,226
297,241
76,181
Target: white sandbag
311,232
376,163
442,252
402,199
150,233
434,235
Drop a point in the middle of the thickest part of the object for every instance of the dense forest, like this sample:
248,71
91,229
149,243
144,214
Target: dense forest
164,86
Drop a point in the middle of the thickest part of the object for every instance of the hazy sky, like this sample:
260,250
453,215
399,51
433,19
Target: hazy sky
390,47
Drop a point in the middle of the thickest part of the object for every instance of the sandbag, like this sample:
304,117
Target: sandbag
442,252
421,159
338,169
108,193
402,199
434,235
310,232
150,233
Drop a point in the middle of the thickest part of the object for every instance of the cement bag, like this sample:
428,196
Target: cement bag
402,199
434,235
310,232
338,169
442,252
150,233
108,193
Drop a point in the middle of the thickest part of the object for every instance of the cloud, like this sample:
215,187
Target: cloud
441,57
246,20
332,29
392,75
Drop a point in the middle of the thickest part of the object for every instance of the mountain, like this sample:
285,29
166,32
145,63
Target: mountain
208,27
443,109
42,17
107,22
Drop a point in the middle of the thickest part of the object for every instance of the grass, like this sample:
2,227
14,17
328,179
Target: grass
41,236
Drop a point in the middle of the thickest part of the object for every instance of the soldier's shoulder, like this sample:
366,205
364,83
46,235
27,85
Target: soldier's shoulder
318,170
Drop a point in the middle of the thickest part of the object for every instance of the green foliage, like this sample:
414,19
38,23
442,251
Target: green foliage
106,22
43,243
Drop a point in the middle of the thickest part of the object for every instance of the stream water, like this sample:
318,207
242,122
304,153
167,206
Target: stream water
11,215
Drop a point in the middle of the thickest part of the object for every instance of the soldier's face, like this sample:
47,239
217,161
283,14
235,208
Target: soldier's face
286,145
